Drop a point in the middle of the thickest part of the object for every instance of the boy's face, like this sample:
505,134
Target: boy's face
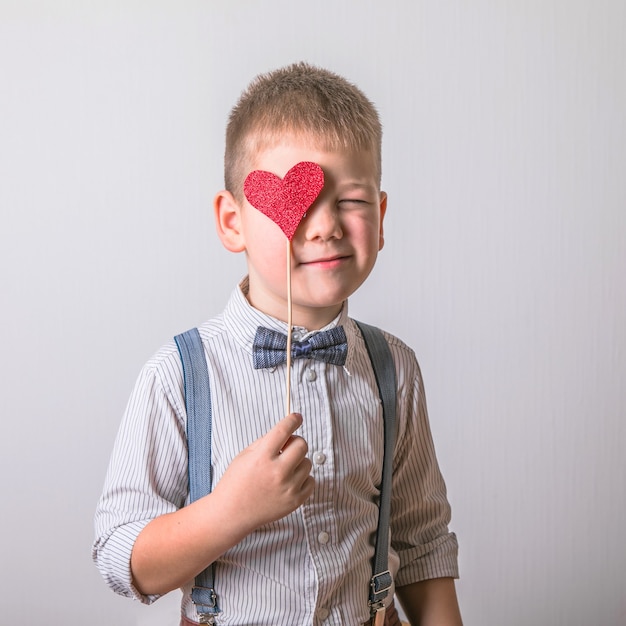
335,246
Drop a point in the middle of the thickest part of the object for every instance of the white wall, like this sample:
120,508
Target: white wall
504,159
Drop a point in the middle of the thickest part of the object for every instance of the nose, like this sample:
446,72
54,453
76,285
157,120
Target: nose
322,222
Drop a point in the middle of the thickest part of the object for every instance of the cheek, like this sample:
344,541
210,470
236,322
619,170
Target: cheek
367,233
268,252
262,234
274,260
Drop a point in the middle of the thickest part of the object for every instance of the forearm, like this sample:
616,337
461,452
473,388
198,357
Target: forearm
173,548
431,603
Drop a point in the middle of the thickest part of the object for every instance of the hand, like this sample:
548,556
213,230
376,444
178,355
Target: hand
269,479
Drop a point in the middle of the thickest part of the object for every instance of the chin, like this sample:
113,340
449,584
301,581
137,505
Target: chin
326,303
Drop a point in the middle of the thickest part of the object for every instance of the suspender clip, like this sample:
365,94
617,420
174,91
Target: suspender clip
205,600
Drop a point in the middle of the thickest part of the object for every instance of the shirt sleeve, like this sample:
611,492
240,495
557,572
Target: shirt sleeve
147,474
420,511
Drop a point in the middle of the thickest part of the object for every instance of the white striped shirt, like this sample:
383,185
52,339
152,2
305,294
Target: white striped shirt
313,566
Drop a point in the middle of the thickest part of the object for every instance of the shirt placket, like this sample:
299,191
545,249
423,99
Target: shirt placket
319,511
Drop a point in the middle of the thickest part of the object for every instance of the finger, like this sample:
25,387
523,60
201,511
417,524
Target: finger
294,450
302,471
274,440
308,486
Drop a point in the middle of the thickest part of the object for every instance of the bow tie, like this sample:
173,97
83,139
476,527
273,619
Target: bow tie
270,347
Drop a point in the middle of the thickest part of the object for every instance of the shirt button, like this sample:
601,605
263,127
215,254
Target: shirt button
323,537
322,613
319,458
311,375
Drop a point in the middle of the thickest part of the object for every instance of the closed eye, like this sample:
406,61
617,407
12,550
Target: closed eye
353,201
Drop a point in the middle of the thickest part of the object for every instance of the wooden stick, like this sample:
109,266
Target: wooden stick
288,394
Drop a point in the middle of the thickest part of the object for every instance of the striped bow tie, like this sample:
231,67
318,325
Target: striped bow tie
270,347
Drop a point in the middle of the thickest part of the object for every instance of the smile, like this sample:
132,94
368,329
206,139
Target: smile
327,262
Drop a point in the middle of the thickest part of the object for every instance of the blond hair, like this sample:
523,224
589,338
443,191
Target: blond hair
303,100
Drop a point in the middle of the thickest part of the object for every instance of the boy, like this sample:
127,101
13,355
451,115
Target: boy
291,518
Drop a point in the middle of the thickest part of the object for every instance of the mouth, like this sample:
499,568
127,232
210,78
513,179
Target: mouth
327,262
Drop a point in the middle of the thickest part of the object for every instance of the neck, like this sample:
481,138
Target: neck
309,317
314,319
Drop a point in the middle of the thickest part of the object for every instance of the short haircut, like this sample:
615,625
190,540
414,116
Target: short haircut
304,100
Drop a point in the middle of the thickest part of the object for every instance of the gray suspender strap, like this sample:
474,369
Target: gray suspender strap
199,417
385,373
198,404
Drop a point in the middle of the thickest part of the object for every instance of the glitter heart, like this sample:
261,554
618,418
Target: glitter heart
286,200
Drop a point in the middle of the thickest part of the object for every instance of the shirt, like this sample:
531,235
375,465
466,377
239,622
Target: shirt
314,565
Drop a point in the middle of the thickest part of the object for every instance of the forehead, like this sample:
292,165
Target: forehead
280,152
264,141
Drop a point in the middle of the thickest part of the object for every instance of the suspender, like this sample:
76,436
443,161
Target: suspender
199,422
385,373
199,417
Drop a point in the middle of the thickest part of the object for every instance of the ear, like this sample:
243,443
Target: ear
228,221
383,211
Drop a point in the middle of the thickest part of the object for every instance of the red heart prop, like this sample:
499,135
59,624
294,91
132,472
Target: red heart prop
286,200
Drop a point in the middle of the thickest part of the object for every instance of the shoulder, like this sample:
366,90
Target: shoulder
401,352
407,367
165,365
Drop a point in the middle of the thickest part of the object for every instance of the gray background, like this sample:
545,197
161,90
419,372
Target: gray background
505,263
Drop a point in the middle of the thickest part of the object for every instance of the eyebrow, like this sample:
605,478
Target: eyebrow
357,185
